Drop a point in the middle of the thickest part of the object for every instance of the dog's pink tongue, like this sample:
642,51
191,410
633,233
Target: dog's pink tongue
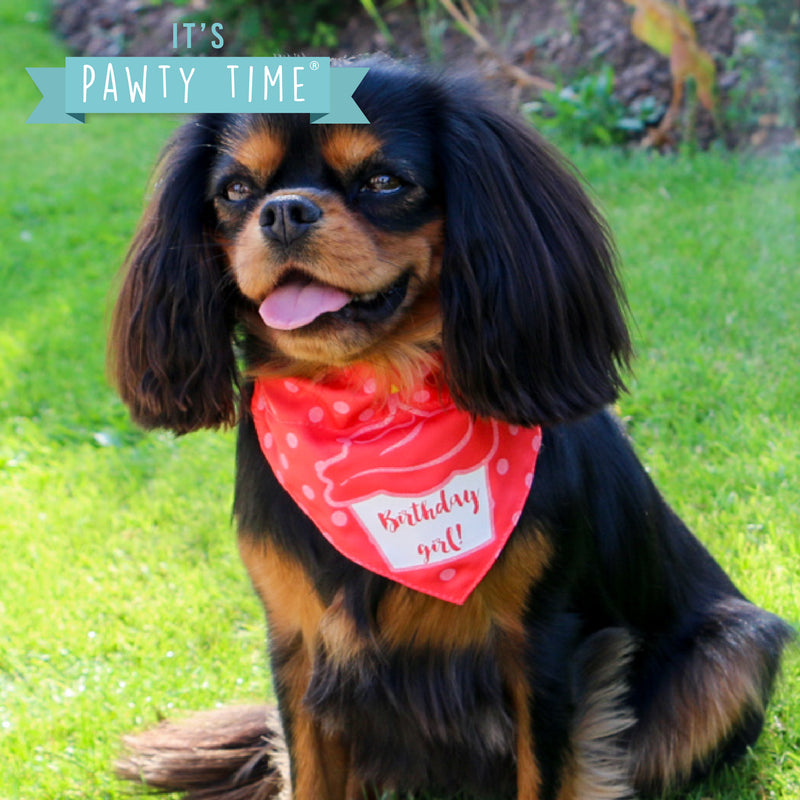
296,304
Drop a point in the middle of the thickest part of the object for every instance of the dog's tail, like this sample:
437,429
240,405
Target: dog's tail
235,753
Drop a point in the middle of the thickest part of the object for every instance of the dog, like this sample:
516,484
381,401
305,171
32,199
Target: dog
471,585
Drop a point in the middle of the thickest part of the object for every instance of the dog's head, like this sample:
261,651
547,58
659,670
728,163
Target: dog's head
443,226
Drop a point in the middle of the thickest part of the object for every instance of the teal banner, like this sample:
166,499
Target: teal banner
182,85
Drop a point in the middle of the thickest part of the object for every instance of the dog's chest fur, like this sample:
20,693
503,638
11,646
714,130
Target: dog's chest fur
419,717
421,687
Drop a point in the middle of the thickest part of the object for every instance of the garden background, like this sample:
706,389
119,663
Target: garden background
122,599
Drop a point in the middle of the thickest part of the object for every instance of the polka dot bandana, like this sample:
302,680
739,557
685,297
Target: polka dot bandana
411,488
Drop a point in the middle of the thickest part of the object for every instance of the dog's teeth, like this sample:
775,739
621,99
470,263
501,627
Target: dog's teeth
366,298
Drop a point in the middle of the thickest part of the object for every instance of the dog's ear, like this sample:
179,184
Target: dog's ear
170,349
534,327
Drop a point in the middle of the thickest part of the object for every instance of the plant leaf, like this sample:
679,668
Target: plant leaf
669,30
689,60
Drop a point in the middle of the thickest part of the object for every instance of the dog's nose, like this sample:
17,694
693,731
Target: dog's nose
287,217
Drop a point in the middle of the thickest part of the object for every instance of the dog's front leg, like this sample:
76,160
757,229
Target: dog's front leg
319,761
528,774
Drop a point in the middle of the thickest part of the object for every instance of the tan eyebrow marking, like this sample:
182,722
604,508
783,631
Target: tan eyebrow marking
260,151
346,149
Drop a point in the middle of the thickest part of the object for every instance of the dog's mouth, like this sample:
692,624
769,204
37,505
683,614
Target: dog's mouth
299,300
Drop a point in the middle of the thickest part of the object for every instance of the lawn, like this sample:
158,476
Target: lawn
123,599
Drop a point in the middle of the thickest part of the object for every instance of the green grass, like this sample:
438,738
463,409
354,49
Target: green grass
122,597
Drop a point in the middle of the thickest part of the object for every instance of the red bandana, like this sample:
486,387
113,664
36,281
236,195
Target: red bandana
422,493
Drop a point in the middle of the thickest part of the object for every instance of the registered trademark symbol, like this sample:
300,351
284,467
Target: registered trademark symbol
314,65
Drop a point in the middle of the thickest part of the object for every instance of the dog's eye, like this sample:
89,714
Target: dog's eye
382,184
236,191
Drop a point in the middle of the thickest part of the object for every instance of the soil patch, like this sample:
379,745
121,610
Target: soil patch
549,38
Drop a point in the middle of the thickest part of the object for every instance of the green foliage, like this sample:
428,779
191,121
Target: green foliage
588,112
433,23
376,15
436,18
278,27
767,64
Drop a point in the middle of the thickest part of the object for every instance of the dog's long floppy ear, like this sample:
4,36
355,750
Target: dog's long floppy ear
170,350
534,328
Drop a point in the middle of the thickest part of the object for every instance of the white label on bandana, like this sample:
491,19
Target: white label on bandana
441,526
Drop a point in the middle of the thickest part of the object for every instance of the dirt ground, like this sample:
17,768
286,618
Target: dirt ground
553,39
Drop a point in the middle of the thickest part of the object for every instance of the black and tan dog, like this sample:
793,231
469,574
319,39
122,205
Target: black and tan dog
563,636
